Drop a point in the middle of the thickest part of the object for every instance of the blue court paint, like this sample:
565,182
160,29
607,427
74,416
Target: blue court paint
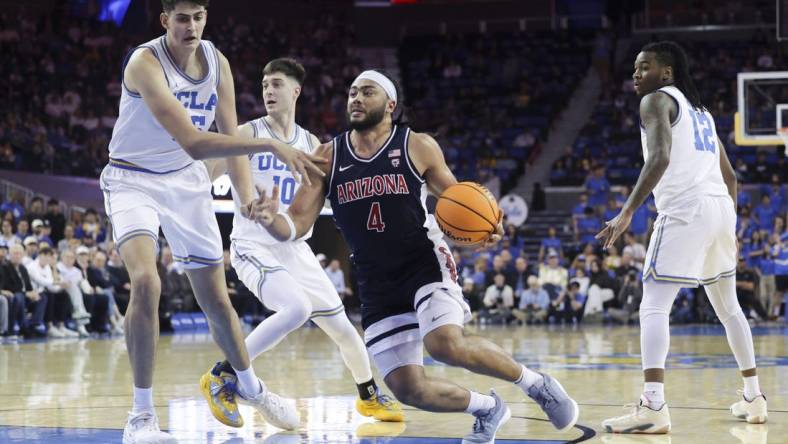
13,435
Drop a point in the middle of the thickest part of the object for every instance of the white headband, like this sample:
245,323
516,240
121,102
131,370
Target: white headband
381,80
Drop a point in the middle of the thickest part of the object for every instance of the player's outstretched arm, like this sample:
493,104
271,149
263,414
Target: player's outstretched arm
655,111
144,75
303,211
728,173
227,123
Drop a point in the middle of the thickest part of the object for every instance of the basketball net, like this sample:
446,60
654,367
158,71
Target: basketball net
783,133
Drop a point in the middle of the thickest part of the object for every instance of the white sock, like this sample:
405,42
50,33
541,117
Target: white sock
528,378
479,402
143,400
654,392
249,384
751,388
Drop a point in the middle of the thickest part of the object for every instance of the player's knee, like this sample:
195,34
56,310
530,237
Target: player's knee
447,349
300,312
145,289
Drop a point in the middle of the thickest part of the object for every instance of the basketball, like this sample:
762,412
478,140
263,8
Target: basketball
467,213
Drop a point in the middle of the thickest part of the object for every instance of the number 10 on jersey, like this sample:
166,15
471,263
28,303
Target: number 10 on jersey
286,187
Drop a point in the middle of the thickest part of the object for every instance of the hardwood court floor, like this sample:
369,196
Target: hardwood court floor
78,391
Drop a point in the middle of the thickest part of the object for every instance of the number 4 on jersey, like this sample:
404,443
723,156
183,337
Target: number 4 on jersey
375,220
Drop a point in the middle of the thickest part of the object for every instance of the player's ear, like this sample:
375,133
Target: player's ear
392,106
297,91
667,75
163,19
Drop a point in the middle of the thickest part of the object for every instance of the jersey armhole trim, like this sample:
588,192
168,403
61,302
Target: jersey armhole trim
333,166
407,158
678,107
218,64
131,93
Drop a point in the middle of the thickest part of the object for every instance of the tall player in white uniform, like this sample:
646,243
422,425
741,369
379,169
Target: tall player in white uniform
286,276
694,239
173,88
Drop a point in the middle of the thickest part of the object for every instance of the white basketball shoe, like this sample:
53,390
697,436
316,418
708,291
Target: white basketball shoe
276,410
753,411
143,428
641,419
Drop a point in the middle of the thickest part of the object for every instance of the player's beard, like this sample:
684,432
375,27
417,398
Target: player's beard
372,118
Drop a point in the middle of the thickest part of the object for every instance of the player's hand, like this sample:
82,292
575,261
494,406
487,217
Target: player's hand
299,162
614,228
496,236
264,209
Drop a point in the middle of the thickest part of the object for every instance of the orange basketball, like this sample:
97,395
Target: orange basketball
467,213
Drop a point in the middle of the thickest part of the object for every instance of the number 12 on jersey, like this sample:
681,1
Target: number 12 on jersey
700,121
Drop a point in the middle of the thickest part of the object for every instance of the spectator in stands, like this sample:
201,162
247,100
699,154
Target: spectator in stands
46,280
743,198
119,277
587,226
753,250
762,173
6,300
568,306
17,281
22,230
175,283
31,249
597,187
745,290
520,276
479,275
56,219
601,289
41,232
471,293
745,224
635,249
551,242
765,214
100,279
98,301
580,209
90,228
7,236
552,276
16,205
612,259
71,280
499,300
534,303
35,210
337,277
627,264
767,283
628,299
498,266
68,240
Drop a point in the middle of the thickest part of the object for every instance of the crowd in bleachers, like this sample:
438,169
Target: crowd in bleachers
61,79
491,98
62,277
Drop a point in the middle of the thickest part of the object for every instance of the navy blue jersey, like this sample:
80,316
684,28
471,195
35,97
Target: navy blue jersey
379,205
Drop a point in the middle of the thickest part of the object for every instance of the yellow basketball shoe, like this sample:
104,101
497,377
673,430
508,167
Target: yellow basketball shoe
219,390
380,407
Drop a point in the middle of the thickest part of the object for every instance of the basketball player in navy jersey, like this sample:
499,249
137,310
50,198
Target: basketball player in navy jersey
694,239
174,87
377,185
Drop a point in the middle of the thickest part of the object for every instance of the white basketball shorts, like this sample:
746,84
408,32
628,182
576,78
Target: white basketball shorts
271,272
139,201
699,252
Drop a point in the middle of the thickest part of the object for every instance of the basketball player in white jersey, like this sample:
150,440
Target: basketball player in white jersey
173,88
694,239
286,276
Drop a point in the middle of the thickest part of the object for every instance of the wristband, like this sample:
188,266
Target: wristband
290,224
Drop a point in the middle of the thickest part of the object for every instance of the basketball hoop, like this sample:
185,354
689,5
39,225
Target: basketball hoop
783,133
